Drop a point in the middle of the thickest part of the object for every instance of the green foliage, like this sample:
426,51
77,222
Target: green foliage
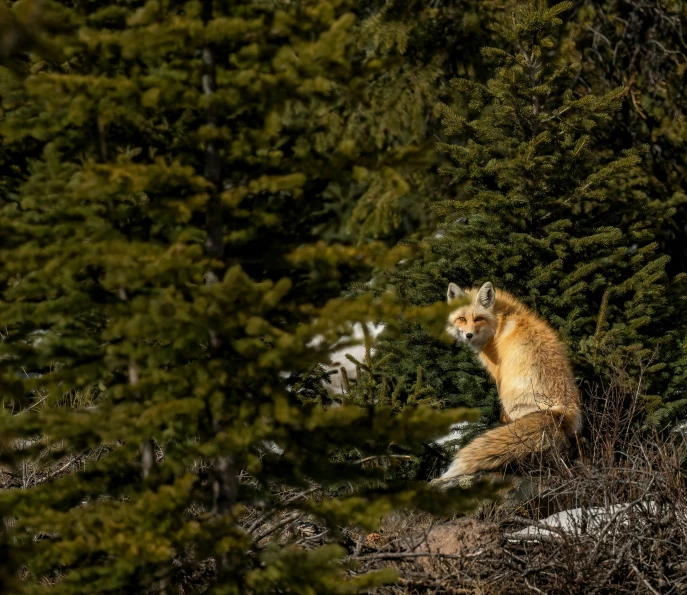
640,46
412,50
375,386
168,247
543,209
421,47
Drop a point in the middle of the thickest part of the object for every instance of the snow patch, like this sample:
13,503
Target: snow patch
457,432
578,521
338,359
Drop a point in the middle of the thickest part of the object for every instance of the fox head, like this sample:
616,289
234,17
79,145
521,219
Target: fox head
473,323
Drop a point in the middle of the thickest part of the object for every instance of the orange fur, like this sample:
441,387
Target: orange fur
537,390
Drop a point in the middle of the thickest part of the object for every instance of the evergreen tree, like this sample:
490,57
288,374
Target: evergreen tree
413,49
166,257
616,45
422,48
640,46
544,210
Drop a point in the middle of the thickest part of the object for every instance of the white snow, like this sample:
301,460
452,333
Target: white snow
338,359
457,432
577,521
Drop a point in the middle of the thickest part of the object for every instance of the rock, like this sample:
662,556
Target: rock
462,537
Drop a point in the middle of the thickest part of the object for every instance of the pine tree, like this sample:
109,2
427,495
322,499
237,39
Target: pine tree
640,46
165,260
546,211
422,47
413,49
616,45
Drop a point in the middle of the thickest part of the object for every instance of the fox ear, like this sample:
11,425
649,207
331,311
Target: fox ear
454,292
486,296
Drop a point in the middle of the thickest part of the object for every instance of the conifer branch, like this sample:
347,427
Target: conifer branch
601,319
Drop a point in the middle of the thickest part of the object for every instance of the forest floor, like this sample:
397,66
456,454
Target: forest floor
611,518
572,528
639,546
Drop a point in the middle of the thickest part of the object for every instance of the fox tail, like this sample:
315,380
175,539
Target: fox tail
535,432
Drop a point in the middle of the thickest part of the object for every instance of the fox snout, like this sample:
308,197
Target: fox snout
470,336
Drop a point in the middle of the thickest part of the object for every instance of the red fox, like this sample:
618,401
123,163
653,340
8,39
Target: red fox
537,390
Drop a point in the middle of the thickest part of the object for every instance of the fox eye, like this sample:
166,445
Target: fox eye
479,319
461,319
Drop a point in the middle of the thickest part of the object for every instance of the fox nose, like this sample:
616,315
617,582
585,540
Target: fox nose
468,335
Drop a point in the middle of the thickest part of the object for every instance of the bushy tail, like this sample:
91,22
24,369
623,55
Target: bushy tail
513,442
